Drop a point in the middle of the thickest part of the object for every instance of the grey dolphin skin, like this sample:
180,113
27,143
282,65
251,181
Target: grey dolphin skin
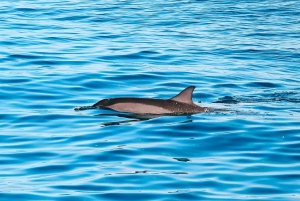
179,104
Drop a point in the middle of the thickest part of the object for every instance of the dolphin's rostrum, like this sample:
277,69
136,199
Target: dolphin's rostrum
179,104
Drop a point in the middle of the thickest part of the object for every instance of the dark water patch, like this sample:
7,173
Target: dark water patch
24,56
72,18
227,86
98,84
6,161
40,62
262,191
263,85
28,27
289,147
22,196
14,80
58,39
136,56
127,196
8,43
33,155
26,9
106,157
49,169
149,52
287,177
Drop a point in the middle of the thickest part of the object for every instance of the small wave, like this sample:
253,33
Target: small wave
291,97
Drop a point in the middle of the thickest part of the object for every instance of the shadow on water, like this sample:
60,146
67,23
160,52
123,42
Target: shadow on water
130,117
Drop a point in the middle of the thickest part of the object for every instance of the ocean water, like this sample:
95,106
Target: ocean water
242,56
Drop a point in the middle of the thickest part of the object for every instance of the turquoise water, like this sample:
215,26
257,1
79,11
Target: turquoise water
243,57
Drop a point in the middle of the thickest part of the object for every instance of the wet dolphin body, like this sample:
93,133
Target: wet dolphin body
179,104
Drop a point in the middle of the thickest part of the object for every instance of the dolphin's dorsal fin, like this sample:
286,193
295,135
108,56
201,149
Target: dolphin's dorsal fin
185,96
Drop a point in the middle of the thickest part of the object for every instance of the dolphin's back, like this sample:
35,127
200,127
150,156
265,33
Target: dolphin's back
150,106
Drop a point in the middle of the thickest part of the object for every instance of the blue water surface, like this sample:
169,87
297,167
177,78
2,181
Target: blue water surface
243,57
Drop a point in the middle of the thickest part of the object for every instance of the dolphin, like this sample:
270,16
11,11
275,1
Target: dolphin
182,103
